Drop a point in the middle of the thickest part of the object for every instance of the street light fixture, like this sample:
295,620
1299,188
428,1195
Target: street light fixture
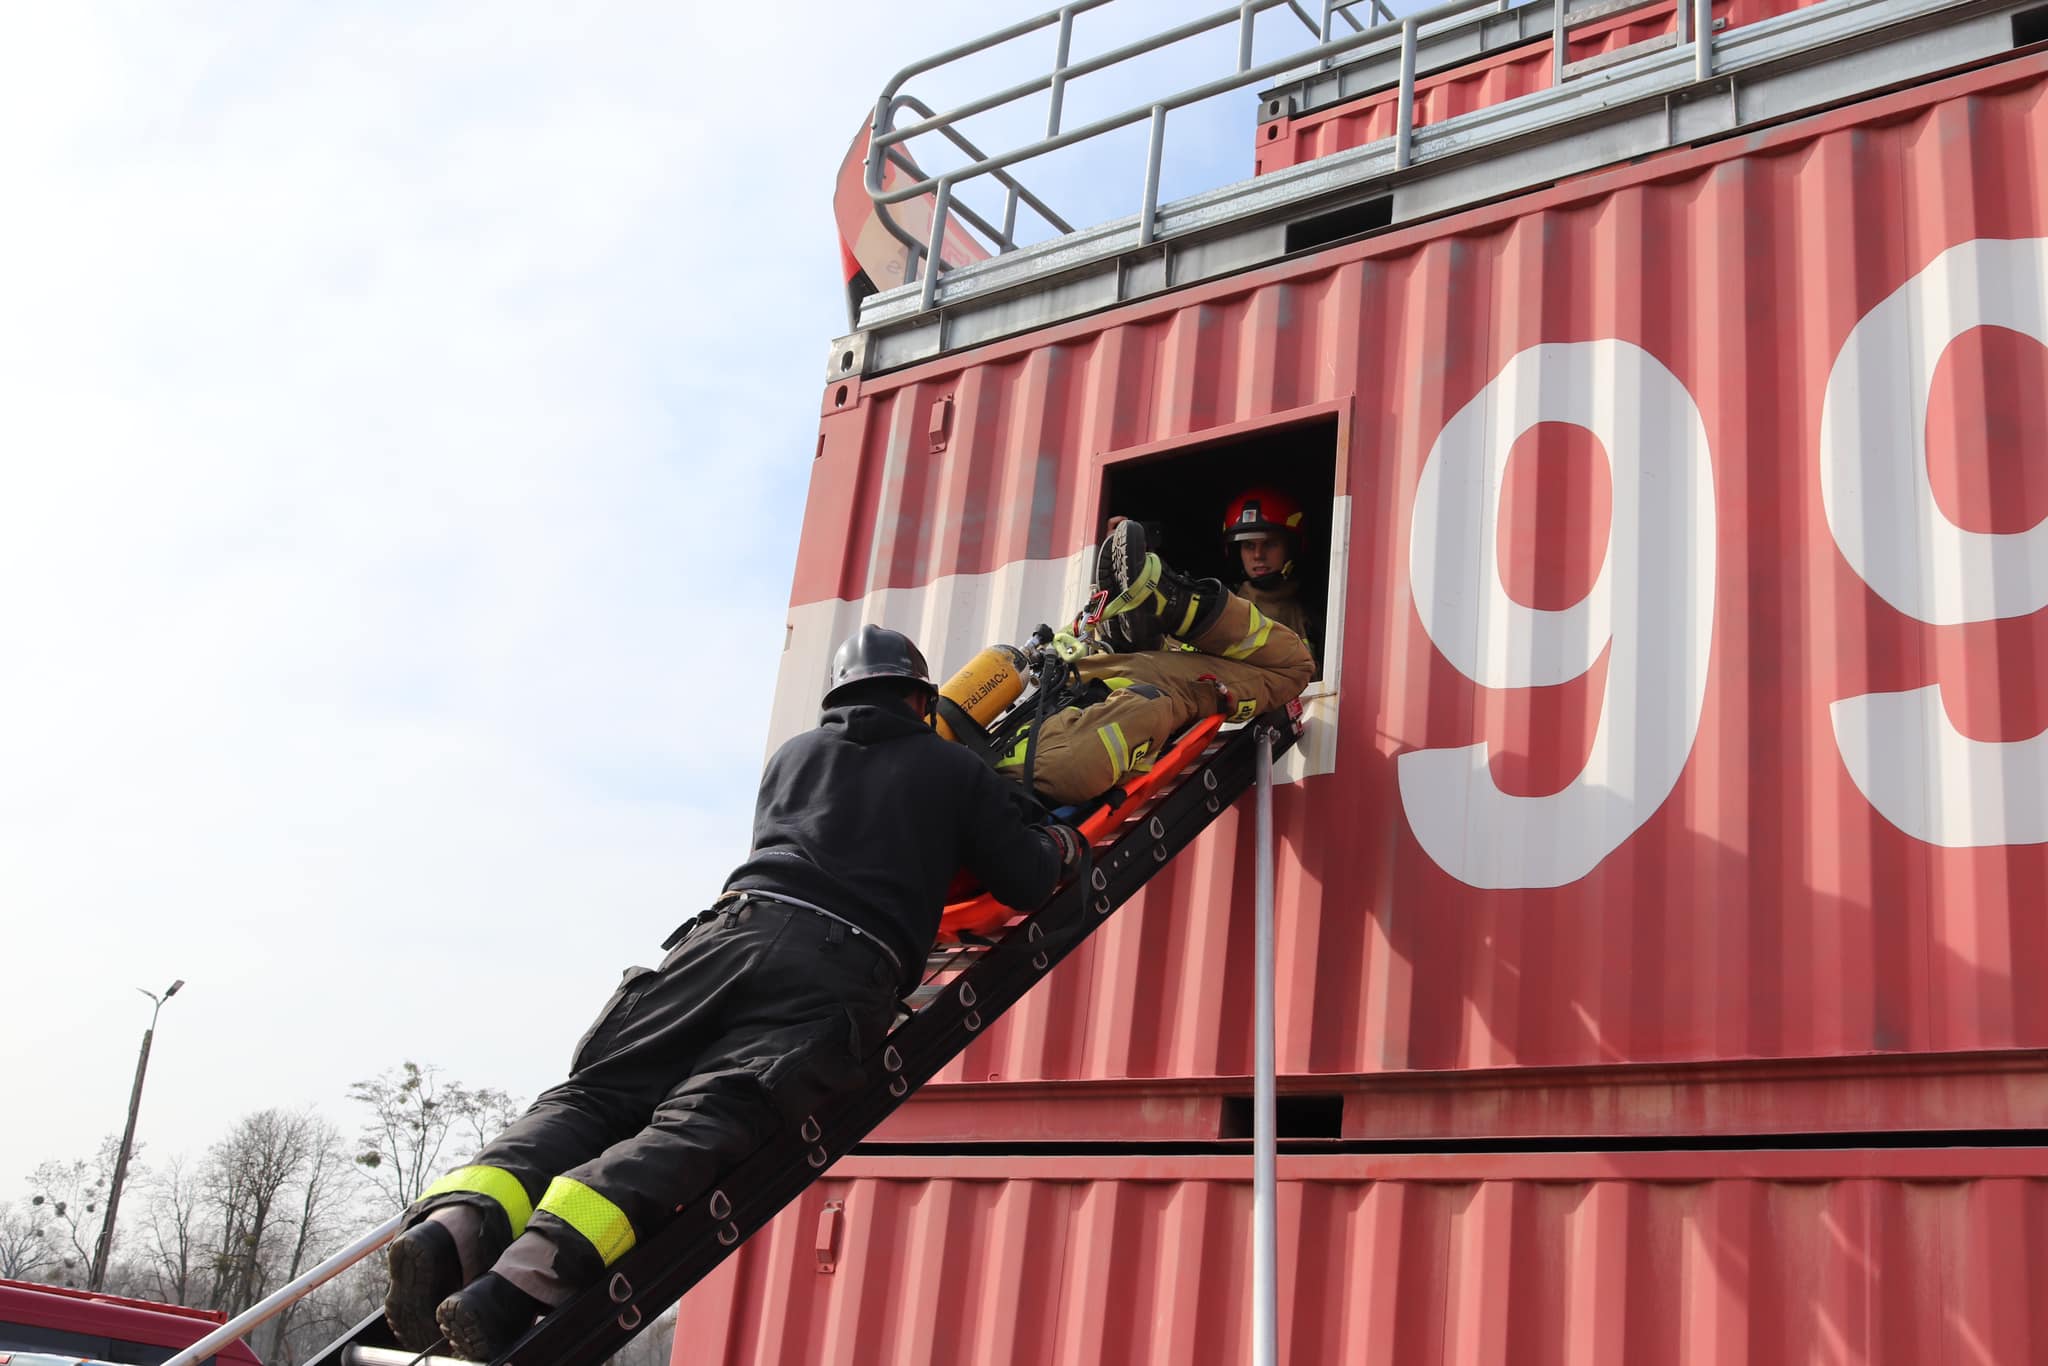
104,1251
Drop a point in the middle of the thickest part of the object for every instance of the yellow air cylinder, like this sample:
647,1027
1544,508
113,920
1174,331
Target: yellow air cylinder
989,682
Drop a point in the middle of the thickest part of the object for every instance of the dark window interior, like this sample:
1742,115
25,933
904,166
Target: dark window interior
1352,220
29,1337
1181,497
2030,26
1293,1117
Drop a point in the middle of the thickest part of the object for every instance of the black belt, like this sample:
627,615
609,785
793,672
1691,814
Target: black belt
732,901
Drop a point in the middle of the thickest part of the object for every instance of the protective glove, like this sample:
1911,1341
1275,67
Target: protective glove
1071,847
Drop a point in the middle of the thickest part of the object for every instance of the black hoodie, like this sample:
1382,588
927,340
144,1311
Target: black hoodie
870,815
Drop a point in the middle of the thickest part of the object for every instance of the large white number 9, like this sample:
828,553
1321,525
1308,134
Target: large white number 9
1900,748
1653,601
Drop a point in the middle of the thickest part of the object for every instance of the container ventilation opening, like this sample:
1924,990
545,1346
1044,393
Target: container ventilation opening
2030,26
1352,220
1293,1116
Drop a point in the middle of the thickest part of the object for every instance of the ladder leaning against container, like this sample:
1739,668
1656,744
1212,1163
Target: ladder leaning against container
972,983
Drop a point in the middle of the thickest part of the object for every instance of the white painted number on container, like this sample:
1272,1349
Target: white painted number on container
1652,602
1900,748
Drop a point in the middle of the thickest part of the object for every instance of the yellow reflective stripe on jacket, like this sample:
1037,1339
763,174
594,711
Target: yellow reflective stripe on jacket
499,1185
1112,737
590,1214
1254,638
1015,758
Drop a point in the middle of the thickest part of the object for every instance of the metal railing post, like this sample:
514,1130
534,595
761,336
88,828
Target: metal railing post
1146,226
1246,14
941,208
1703,39
1557,8
1265,1129
1059,72
1404,113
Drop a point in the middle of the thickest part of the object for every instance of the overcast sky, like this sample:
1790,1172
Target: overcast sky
405,420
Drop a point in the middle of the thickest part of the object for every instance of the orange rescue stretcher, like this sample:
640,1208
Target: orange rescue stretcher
982,914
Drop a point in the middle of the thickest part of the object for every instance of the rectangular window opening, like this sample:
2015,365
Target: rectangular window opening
2030,26
1352,220
1183,495
1293,1117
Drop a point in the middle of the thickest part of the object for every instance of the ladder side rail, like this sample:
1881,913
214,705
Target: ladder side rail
278,1300
604,1318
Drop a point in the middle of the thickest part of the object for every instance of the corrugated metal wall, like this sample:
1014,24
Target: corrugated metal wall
1700,717
1291,140
1651,1259
1687,773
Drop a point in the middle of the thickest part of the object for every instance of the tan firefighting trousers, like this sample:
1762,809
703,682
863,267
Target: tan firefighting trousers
1245,664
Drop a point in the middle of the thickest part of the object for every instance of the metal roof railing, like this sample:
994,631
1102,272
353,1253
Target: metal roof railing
887,138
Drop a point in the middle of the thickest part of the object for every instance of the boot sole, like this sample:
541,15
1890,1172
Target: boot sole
468,1335
416,1290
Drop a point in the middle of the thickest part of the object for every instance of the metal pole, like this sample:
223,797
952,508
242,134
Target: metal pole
246,1322
940,206
1246,14
1557,8
1404,113
1265,1204
103,1251
1151,209
1703,40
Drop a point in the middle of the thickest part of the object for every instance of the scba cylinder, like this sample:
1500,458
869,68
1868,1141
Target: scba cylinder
989,682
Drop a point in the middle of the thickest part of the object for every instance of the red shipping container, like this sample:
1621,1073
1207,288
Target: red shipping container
1865,1258
1685,696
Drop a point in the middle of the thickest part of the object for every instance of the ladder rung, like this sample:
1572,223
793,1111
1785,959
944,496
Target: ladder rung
356,1354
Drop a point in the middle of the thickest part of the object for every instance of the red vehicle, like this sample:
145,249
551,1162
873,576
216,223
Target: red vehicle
51,1320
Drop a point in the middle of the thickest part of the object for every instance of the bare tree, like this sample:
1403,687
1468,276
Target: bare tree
321,1207
25,1245
250,1179
72,1199
420,1124
173,1231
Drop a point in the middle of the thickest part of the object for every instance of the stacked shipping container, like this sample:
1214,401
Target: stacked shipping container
1682,770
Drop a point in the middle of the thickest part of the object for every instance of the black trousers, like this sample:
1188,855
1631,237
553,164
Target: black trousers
757,1017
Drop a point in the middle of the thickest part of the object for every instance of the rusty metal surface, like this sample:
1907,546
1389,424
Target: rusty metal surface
1715,812
1523,1260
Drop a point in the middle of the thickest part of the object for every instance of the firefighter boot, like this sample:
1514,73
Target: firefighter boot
1148,601
432,1260
484,1318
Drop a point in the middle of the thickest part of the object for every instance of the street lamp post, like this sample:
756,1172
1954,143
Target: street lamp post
105,1249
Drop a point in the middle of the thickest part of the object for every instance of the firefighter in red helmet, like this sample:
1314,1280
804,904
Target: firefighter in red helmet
1173,649
1264,535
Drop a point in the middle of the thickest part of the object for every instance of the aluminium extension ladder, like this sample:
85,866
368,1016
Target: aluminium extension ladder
972,984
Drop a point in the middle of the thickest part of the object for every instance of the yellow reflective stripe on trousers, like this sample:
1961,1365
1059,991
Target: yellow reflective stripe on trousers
1112,737
501,1186
1254,638
590,1214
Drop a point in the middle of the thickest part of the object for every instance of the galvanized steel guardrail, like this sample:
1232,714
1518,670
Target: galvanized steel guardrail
1693,24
